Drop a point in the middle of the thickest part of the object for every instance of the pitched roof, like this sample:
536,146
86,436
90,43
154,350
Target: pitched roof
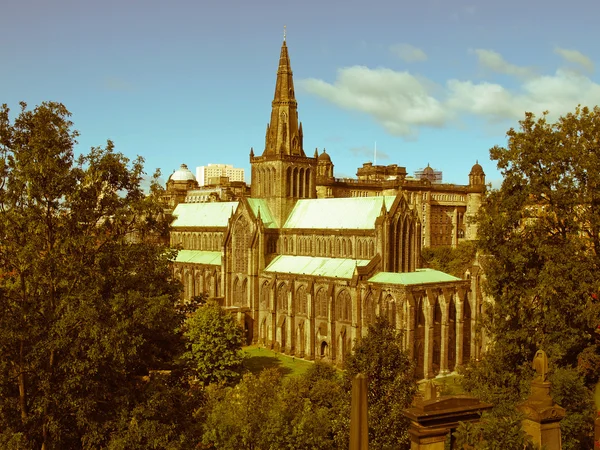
420,276
203,214
355,213
257,204
199,257
314,266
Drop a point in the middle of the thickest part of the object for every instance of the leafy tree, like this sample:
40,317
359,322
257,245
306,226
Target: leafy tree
241,417
540,233
214,345
455,261
392,386
266,411
87,302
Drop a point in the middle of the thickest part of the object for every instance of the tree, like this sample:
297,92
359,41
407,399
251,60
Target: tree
392,386
267,411
455,261
87,302
214,345
540,234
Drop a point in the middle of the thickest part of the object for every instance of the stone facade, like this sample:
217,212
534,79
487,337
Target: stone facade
306,273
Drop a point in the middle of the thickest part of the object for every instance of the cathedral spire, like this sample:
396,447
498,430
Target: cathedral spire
284,135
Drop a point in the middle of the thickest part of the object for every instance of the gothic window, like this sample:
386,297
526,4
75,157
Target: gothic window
344,306
344,247
337,247
369,310
236,292
321,303
241,240
244,296
349,248
264,295
302,300
359,249
391,310
282,298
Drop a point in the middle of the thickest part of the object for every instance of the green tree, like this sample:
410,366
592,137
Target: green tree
455,261
214,345
392,386
540,234
87,303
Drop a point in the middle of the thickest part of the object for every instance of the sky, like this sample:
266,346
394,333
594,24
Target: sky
433,82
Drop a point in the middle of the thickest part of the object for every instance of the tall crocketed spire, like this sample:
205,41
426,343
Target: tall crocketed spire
284,135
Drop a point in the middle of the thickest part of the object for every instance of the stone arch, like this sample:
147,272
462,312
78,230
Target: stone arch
419,340
244,293
369,309
451,334
437,335
288,182
343,306
301,300
264,296
282,297
321,303
371,249
349,243
301,183
467,329
240,244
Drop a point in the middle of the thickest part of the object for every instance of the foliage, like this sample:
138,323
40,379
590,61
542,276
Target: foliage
85,291
570,392
493,433
455,261
540,234
390,373
214,345
266,411
162,417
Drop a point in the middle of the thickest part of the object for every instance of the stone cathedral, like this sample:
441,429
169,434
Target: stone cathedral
306,274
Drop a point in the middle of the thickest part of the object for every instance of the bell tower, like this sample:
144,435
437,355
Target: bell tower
283,173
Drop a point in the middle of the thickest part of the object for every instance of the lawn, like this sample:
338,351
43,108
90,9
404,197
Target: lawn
259,358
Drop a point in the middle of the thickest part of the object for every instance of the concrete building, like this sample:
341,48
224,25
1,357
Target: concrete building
213,174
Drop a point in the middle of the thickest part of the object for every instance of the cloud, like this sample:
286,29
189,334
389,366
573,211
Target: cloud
117,84
408,53
494,61
402,102
575,56
368,152
397,100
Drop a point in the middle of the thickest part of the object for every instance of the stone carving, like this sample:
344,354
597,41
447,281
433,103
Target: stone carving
540,365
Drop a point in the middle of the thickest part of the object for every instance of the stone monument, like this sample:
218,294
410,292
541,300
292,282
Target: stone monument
542,415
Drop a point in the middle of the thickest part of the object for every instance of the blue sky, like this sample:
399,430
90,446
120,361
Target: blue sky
432,81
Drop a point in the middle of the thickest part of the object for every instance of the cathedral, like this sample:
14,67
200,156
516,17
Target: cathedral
306,261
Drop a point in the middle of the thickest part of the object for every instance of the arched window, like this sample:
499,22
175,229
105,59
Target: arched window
241,241
264,296
301,300
282,298
369,309
344,306
321,303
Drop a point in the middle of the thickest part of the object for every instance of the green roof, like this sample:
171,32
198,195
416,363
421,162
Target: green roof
318,267
355,213
421,276
203,214
199,257
260,204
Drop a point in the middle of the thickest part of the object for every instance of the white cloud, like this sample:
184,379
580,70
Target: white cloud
408,53
368,152
575,56
402,102
397,100
494,61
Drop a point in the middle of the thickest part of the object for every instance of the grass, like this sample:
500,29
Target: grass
259,358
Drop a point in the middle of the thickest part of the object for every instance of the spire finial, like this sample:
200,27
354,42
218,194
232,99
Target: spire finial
284,33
